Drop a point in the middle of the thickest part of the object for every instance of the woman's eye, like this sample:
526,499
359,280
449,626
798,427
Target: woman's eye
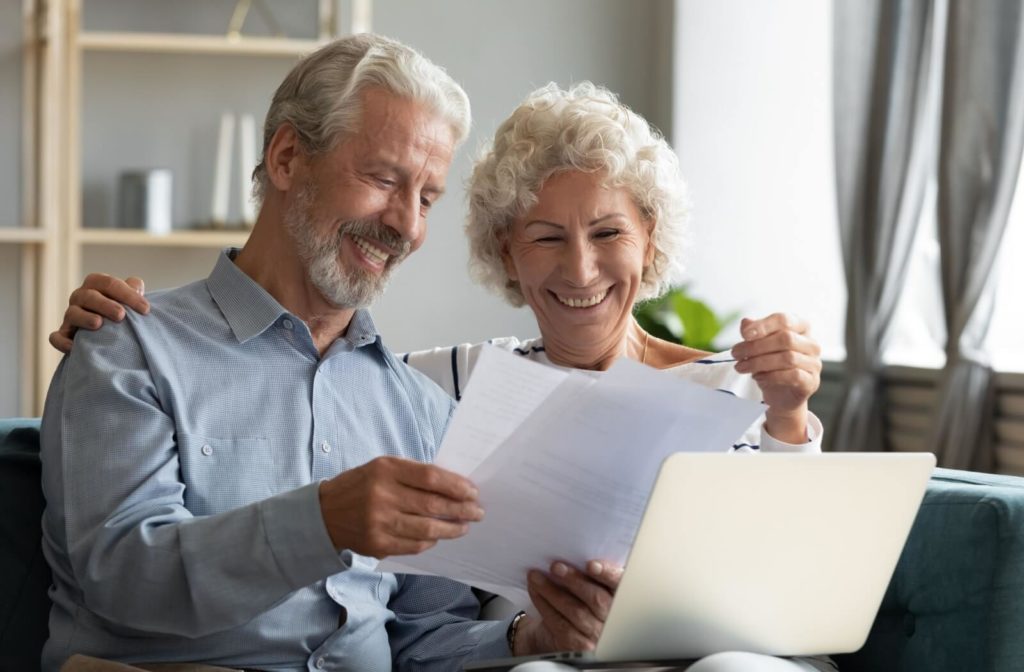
607,233
548,239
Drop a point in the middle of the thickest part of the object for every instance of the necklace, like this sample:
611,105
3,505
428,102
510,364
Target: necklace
647,339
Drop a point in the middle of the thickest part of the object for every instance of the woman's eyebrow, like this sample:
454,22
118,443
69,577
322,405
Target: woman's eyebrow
599,220
542,222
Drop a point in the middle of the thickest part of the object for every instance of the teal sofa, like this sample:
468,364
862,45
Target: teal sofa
955,603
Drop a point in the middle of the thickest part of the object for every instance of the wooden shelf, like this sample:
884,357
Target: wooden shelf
171,43
182,238
15,234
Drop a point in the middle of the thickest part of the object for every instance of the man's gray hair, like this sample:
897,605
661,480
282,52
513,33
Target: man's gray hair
320,97
587,129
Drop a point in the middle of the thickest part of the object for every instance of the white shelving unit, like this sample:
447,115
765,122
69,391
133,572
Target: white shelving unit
51,235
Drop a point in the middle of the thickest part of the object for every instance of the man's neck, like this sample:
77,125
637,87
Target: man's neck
269,258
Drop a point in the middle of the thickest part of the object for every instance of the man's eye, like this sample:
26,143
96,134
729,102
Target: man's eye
425,203
385,181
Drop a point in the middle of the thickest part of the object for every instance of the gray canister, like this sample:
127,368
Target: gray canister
145,200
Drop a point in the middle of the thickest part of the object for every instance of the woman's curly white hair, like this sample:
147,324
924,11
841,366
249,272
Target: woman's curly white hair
587,129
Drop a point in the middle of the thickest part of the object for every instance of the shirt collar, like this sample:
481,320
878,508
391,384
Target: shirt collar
249,309
361,330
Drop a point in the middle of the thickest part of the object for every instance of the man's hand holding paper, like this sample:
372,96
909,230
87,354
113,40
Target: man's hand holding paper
390,506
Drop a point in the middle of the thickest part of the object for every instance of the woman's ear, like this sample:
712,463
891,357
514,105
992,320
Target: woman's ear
509,263
506,255
284,156
650,250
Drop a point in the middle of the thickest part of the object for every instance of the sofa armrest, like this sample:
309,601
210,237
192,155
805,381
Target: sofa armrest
24,574
956,599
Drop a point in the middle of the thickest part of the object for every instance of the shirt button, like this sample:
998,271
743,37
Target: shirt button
287,324
320,662
326,447
207,449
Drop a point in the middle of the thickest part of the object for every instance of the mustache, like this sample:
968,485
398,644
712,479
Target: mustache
373,230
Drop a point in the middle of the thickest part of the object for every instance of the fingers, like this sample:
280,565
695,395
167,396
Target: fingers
605,573
777,341
795,379
371,510
423,503
106,295
596,596
60,342
76,318
138,284
570,624
754,329
433,479
785,360
411,527
574,604
95,304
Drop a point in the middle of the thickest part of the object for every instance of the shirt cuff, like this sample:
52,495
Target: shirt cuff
815,432
493,641
298,538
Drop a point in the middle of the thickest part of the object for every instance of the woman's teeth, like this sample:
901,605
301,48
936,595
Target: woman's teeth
582,303
374,253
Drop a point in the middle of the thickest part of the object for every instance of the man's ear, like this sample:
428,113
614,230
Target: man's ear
284,157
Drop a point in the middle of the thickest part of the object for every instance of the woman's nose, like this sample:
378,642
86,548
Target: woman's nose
579,264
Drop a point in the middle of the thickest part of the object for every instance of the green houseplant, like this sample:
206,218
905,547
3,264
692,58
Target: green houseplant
679,317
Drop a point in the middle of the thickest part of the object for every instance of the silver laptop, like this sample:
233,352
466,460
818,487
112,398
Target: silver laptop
781,554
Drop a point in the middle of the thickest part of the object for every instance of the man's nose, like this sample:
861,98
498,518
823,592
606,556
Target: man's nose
579,264
403,215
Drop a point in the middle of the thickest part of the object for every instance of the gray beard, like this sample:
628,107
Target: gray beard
345,288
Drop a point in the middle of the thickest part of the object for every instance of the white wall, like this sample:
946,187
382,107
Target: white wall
156,110
752,125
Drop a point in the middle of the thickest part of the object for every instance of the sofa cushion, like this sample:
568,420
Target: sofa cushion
24,574
955,600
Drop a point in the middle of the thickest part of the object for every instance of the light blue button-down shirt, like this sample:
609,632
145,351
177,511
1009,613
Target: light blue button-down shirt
182,454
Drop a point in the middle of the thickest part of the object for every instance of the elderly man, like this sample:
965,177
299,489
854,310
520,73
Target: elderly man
221,475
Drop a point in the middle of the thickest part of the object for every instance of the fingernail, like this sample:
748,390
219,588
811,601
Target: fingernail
559,569
479,513
533,577
595,567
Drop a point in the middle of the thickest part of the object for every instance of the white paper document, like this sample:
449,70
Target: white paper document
564,462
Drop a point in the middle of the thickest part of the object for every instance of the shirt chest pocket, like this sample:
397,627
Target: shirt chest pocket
224,474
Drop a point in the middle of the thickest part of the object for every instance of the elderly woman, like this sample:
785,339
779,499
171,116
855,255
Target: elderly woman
579,211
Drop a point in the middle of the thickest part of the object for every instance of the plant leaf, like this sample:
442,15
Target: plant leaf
700,324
